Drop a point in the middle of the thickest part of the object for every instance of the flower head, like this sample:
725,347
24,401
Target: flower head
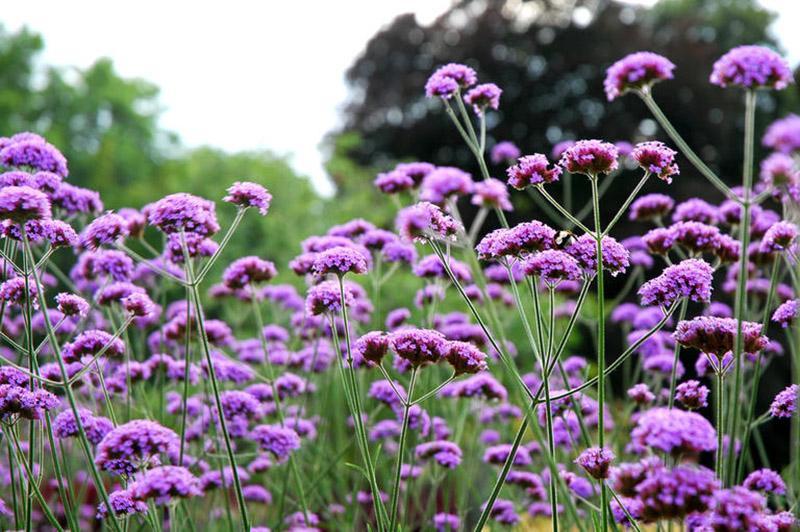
424,220
674,432
615,256
787,313
183,212
692,394
24,203
651,207
492,193
717,336
445,182
783,135
689,279
372,346
103,231
765,480
133,445
418,346
504,151
596,461
532,170
340,260
245,194
655,157
164,484
785,403
483,96
752,67
248,271
639,70
326,297
590,157
276,440
448,79
464,357
553,266
28,150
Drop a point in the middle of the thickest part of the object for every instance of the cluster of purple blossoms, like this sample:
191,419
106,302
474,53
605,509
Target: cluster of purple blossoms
245,194
277,440
656,158
135,445
183,212
673,431
445,453
532,170
418,346
787,313
424,221
752,67
783,135
95,427
450,79
692,395
651,207
483,96
444,183
164,484
326,298
553,266
596,462
616,258
492,193
689,279
717,336
637,71
248,271
28,150
524,238
465,357
590,157
20,402
785,403
504,152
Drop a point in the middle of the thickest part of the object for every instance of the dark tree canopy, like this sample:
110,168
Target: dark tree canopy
550,57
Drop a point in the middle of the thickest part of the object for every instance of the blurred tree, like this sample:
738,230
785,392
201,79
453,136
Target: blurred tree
549,57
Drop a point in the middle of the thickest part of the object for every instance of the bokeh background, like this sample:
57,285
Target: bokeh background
312,99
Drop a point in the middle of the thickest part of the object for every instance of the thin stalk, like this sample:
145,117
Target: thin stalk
741,284
436,390
577,223
401,448
222,245
626,204
601,342
720,406
676,358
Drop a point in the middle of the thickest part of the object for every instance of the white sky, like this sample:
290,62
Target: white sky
241,74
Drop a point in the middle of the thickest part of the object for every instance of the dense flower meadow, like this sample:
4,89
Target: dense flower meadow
142,389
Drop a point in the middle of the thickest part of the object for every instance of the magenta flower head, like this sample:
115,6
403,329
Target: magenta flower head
18,402
465,357
783,135
675,493
787,313
418,346
553,266
779,237
690,279
483,96
134,445
504,151
326,298
372,346
692,394
449,79
446,453
752,67
445,182
393,182
443,522
106,230
717,336
765,480
616,258
139,305
12,291
785,403
590,157
425,221
95,427
72,305
248,271
340,260
641,394
277,440
779,170
164,484
28,150
674,432
596,461
492,192
59,234
246,194
637,71
24,203
532,170
123,503
651,207
737,508
655,157
183,212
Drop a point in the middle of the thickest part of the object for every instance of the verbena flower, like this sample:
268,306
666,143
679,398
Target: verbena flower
786,313
655,157
72,305
248,271
696,210
246,194
717,336
498,454
448,79
637,71
785,403
444,522
783,135
445,182
372,346
615,256
483,96
691,279
492,193
340,260
503,152
673,432
532,170
464,357
418,346
736,508
19,402
596,461
183,212
692,395
651,207
164,484
326,298
641,394
779,170
446,453
424,221
765,480
134,445
553,266
24,203
276,440
779,237
123,503
752,67
590,157
28,150
104,231
95,427
676,493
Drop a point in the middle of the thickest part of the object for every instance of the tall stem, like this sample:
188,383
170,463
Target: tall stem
740,308
720,404
676,358
601,342
401,448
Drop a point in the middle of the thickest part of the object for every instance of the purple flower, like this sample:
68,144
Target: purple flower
59,234
443,183
498,454
183,212
615,256
90,343
248,271
103,231
787,313
492,193
779,237
16,401
696,210
752,67
785,403
445,453
165,483
504,513
95,427
765,480
32,151
418,346
245,194
277,440
20,204
737,508
134,445
424,220
444,522
779,170
340,260
448,79
74,200
479,385
123,503
504,151
783,135
590,157
13,291
464,357
655,157
651,207
674,494
717,336
692,394
372,346
483,96
674,432
637,71
689,279
641,394
553,266
532,170
112,263
596,461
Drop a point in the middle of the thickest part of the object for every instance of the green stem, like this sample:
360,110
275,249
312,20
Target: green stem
401,449
577,223
720,404
676,358
626,204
